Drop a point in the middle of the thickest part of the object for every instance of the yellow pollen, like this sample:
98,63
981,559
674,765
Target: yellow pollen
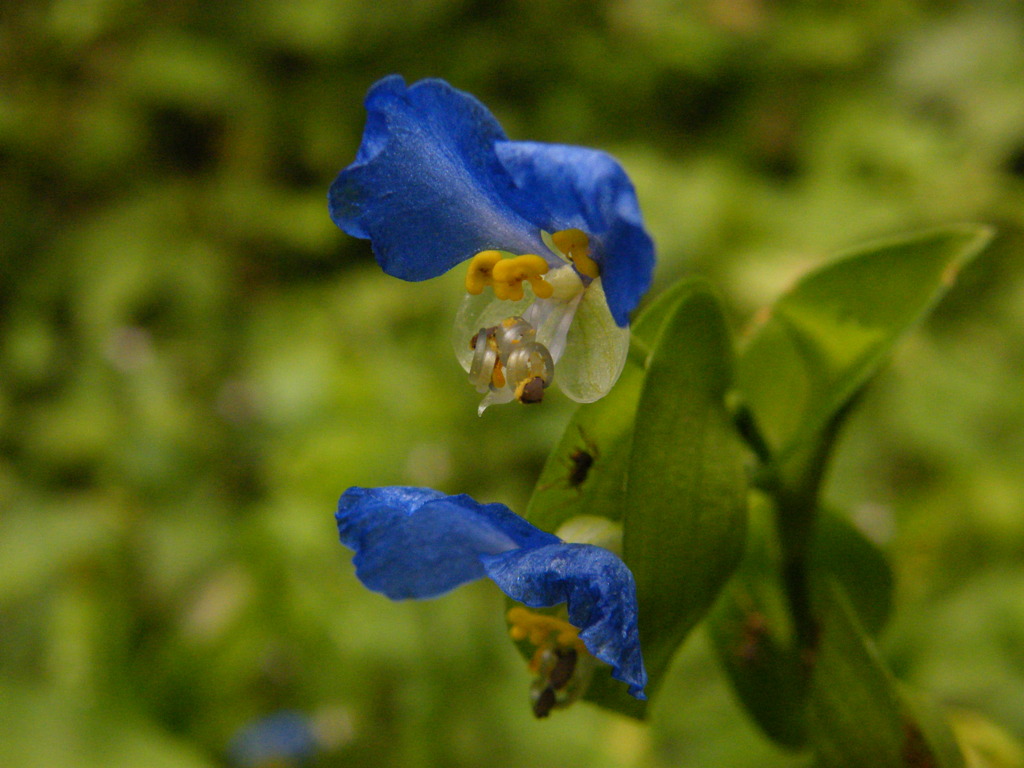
542,631
575,244
530,390
498,375
506,276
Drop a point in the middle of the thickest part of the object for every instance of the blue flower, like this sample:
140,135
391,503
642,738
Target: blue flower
436,182
420,543
281,739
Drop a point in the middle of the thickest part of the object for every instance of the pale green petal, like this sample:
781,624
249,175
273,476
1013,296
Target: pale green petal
595,351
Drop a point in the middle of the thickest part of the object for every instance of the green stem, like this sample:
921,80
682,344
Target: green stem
749,430
795,522
795,503
797,497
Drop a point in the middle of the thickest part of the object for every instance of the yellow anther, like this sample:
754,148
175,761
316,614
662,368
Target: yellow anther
542,630
508,291
571,240
586,265
520,268
480,274
575,244
507,275
541,287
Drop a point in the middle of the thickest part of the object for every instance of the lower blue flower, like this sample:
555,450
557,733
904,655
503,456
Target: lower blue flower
282,739
420,543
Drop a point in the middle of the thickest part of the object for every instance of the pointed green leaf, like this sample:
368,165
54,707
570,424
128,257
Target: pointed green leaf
752,635
686,490
841,550
858,714
586,472
652,319
750,627
825,338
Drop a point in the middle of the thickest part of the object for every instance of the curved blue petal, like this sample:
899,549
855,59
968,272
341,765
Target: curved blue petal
587,189
417,543
599,592
427,188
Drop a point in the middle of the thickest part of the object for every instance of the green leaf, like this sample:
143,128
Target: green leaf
825,338
752,634
841,550
586,472
685,491
750,626
858,714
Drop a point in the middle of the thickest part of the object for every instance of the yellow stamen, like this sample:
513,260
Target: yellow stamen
541,287
480,274
508,291
586,265
561,664
520,268
575,244
542,630
506,276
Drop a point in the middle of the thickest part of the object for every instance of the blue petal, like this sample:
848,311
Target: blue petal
587,189
418,543
427,188
599,592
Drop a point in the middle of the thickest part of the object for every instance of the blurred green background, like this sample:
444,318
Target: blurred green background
194,362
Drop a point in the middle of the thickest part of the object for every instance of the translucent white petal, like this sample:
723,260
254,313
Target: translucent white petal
595,349
552,319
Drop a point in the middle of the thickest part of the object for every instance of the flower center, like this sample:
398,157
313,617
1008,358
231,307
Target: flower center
561,664
514,350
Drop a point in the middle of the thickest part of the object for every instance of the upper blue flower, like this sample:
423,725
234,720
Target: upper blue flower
436,181
420,543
